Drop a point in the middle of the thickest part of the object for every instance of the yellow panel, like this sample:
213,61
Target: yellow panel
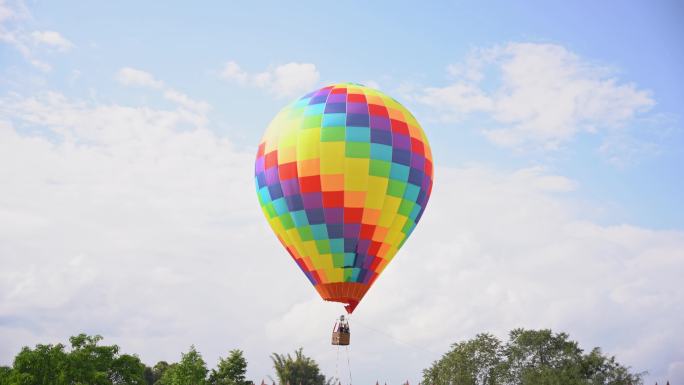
389,210
286,154
377,190
356,174
332,157
335,275
308,144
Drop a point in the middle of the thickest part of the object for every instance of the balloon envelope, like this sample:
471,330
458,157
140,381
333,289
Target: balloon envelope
343,175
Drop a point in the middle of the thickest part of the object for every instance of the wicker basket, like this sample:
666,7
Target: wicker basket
340,338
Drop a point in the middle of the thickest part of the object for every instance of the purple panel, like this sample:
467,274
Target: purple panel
294,202
357,108
401,141
357,120
312,200
259,164
334,230
352,230
380,123
315,216
272,176
417,161
334,215
318,99
261,179
401,156
416,176
332,108
381,136
350,244
359,260
290,186
363,246
337,98
275,191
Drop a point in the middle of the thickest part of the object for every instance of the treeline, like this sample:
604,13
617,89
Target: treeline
528,357
87,362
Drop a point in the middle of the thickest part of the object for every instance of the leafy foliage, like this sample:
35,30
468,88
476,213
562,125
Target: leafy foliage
86,363
530,357
191,370
231,370
297,370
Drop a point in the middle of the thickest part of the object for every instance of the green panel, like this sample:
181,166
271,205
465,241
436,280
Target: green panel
380,168
338,260
332,134
406,207
270,210
323,246
396,188
311,121
305,233
357,150
286,220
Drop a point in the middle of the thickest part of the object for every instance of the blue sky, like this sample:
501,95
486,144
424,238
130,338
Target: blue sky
562,113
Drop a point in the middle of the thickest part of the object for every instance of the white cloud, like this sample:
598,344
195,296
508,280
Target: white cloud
184,100
52,38
537,94
134,77
232,72
14,33
287,80
142,225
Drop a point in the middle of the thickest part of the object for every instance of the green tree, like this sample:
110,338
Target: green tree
230,370
86,363
530,357
191,370
45,364
155,373
297,370
6,374
94,364
469,363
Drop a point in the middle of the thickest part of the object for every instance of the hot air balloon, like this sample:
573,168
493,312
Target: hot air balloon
343,175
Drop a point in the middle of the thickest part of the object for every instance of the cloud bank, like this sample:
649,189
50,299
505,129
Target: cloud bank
141,224
536,95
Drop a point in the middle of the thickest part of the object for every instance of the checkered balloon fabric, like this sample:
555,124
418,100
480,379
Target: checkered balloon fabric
343,175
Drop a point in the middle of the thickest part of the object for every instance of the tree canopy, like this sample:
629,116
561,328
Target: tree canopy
529,357
300,369
86,363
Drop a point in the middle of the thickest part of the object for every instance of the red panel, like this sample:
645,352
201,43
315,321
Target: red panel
400,127
309,184
374,265
356,98
428,167
374,248
353,215
332,199
417,146
260,151
271,159
287,171
367,231
376,110
341,90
